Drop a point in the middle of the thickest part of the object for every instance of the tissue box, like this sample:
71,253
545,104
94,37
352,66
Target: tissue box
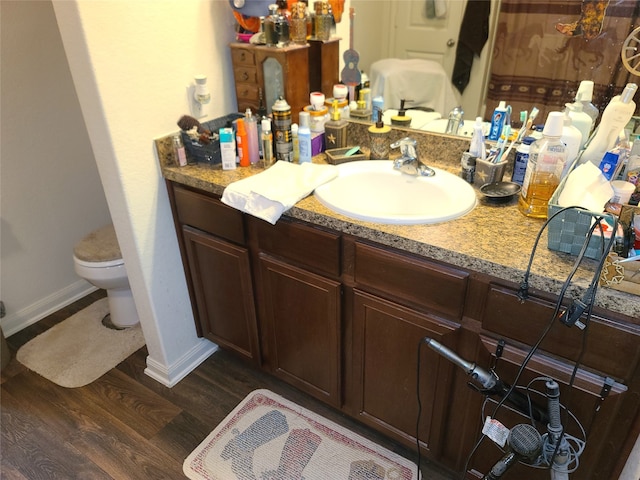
568,230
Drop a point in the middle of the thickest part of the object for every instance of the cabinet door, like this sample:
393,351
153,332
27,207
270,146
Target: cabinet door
221,278
302,322
583,400
386,342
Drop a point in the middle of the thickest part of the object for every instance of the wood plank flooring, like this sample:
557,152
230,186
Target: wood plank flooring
125,425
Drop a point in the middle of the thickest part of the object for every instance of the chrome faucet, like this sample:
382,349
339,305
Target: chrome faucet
455,120
409,162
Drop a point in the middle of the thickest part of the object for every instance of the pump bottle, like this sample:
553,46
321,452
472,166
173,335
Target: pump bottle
614,118
335,130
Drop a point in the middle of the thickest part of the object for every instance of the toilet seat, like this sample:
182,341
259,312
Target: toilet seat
110,263
99,249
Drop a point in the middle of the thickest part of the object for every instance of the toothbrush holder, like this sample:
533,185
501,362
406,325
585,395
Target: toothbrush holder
488,172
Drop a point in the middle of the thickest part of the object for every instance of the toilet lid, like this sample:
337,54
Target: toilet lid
101,245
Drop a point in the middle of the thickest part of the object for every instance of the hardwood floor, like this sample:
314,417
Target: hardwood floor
125,425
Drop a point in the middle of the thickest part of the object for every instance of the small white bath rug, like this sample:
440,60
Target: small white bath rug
269,438
80,349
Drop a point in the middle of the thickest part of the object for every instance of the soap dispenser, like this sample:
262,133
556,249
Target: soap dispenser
335,130
401,119
379,138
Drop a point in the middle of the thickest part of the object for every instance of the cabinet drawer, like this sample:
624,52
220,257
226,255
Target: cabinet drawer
242,56
308,247
247,91
245,74
414,280
209,214
610,348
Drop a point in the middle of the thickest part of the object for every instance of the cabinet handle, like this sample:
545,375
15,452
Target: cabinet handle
243,56
245,76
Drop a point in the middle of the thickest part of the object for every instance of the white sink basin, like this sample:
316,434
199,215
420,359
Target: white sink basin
373,191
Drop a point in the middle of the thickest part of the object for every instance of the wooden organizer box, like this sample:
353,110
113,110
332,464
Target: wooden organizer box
293,71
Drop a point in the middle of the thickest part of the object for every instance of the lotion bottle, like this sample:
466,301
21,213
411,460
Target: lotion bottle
614,118
379,138
304,138
335,130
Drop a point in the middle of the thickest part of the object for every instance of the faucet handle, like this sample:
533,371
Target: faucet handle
407,146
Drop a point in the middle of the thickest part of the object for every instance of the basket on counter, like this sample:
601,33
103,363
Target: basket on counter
568,231
209,153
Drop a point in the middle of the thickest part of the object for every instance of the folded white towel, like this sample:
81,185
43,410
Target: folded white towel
269,194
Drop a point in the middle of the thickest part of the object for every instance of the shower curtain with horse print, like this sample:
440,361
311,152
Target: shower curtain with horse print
544,48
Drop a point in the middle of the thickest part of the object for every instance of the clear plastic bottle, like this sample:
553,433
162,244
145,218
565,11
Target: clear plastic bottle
295,142
547,159
251,125
267,143
179,154
304,137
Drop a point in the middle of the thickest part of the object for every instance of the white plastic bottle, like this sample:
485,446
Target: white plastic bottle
614,118
572,138
547,160
581,120
585,96
477,147
304,137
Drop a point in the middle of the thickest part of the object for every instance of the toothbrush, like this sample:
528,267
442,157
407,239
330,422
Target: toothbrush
496,152
524,115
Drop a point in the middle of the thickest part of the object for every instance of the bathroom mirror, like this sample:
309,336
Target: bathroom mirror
525,40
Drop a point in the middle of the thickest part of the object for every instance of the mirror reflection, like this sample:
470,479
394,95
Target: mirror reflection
535,53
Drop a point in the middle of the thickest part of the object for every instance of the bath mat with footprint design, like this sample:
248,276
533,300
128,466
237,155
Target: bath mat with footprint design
80,349
267,437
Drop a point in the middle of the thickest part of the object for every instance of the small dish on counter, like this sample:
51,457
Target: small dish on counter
500,192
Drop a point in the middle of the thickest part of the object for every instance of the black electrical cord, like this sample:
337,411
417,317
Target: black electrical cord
523,293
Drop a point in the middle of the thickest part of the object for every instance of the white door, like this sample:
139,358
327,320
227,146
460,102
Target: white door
413,35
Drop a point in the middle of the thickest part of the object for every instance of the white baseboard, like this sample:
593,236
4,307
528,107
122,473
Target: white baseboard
172,374
16,321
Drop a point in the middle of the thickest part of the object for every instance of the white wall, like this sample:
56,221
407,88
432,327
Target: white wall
50,191
130,63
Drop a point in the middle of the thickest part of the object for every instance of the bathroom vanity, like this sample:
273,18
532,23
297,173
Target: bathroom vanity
338,308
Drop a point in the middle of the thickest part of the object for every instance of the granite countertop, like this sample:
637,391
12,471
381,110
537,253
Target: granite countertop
493,239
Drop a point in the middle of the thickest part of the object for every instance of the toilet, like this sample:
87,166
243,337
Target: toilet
98,260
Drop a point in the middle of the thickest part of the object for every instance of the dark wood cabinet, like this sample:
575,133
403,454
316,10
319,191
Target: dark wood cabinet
223,291
300,297
274,71
385,354
344,320
302,324
218,270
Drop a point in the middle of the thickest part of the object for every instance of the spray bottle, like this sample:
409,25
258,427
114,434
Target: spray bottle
585,96
614,118
477,148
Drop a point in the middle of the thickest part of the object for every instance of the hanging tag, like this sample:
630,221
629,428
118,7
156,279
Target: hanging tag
495,431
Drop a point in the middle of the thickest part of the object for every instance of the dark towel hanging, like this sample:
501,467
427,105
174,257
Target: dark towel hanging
474,33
